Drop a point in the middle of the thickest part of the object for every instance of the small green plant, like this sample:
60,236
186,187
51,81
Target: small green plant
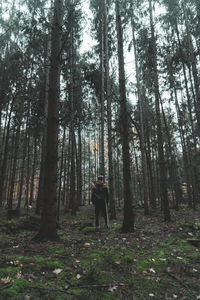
56,250
88,229
96,257
127,259
51,265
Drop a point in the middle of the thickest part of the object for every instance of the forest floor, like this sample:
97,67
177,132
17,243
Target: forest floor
158,261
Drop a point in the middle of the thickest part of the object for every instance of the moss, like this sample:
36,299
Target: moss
51,265
96,257
88,229
9,271
127,259
17,288
56,250
157,264
116,257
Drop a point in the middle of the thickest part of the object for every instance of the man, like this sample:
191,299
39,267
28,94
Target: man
100,200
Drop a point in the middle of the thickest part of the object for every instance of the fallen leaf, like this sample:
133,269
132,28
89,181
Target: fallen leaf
190,233
112,288
57,271
194,270
178,257
117,262
144,272
5,280
78,276
152,270
151,295
87,244
19,275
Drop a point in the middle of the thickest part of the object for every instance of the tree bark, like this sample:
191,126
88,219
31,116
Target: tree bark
109,116
128,221
48,217
142,141
161,159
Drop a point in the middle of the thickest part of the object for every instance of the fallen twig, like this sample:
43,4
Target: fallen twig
97,285
6,286
51,289
182,283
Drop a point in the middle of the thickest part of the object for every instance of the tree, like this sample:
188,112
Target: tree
128,221
161,158
48,217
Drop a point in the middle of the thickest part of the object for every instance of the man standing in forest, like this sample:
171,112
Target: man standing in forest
100,200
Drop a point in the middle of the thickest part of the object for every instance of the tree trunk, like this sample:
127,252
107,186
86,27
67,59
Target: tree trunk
128,221
109,116
12,183
48,217
61,174
161,159
142,141
102,98
32,189
5,155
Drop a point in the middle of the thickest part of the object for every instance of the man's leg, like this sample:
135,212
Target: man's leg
96,214
104,213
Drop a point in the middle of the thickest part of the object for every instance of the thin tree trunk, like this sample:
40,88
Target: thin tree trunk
109,116
13,176
79,167
33,172
61,174
142,142
5,155
161,159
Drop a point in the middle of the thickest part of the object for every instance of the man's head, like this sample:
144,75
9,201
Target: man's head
100,177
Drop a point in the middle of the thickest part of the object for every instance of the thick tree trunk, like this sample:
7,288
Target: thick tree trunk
48,217
128,221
